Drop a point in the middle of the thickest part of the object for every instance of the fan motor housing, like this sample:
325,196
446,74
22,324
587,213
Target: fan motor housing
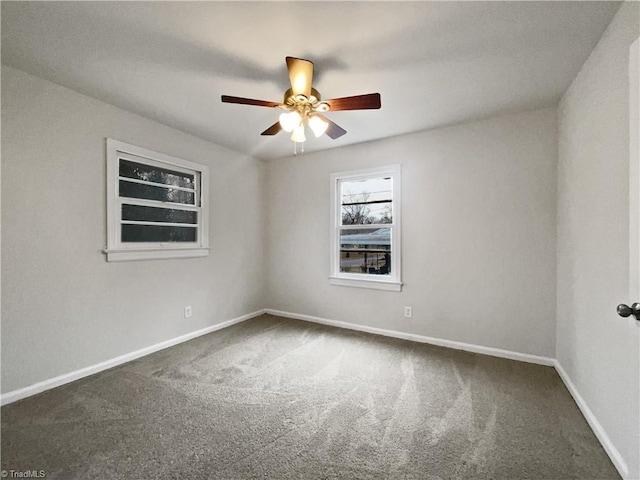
291,99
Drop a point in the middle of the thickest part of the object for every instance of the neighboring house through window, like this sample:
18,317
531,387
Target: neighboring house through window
365,223
156,205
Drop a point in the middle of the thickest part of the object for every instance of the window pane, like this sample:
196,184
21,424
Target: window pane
366,201
366,213
150,192
159,233
366,251
153,214
149,173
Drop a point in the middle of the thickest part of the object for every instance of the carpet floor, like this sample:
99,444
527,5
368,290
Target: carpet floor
277,398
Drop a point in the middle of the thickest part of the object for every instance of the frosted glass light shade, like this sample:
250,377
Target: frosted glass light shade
318,126
298,134
289,121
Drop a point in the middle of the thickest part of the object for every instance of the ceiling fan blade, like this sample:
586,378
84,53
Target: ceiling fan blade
248,101
300,75
357,102
273,129
333,130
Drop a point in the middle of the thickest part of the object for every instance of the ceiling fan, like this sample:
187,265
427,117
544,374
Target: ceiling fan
304,106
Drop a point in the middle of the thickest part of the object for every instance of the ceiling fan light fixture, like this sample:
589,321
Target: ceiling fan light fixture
317,125
298,134
301,98
303,105
290,120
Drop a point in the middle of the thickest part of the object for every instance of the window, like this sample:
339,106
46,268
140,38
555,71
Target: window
365,223
156,205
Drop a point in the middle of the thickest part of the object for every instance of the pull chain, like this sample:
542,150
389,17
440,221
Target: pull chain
295,148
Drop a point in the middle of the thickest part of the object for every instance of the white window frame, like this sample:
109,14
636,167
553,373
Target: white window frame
392,282
118,251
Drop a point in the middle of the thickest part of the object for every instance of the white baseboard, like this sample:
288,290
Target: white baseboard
468,347
599,432
38,387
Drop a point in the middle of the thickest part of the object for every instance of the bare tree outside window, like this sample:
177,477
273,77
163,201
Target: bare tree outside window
365,245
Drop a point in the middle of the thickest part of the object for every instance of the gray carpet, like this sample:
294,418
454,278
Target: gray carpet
284,399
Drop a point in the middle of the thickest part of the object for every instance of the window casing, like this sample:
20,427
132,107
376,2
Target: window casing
156,205
365,229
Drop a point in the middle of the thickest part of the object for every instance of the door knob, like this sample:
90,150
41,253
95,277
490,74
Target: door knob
626,310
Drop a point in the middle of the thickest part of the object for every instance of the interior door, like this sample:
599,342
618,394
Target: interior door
634,221
631,311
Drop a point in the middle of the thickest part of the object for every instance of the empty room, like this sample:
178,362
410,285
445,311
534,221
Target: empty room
320,240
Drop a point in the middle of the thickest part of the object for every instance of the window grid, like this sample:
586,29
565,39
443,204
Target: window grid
369,239
126,200
165,220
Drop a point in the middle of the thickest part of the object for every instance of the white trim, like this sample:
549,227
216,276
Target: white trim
599,432
634,204
160,224
601,435
394,282
125,255
634,172
39,387
159,185
162,160
467,347
118,251
372,283
158,204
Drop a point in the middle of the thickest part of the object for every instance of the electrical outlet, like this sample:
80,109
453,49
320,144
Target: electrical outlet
187,311
408,312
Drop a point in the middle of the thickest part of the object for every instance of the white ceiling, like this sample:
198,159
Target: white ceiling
434,63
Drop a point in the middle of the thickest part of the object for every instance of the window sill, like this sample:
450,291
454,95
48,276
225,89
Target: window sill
129,254
373,284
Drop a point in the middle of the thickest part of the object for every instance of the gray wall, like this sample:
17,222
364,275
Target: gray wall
63,306
478,234
596,348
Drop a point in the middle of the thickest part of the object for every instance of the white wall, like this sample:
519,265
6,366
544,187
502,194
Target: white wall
478,234
593,344
63,306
